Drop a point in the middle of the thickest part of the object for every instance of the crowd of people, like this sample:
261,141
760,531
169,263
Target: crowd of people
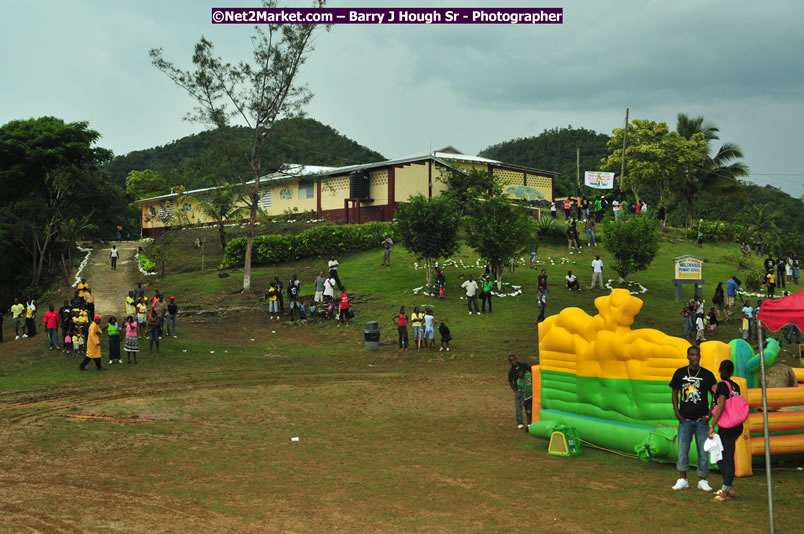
585,208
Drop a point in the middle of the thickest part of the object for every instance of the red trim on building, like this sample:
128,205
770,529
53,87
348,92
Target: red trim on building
318,196
430,179
391,192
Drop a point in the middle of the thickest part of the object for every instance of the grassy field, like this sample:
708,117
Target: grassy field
388,441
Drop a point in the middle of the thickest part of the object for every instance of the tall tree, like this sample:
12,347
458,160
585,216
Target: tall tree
654,155
465,187
47,167
255,93
429,229
498,230
718,172
145,184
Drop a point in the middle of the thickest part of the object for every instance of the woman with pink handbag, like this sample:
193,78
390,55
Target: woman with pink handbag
729,412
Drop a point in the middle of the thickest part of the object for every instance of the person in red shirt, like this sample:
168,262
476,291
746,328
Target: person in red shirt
51,321
343,318
401,321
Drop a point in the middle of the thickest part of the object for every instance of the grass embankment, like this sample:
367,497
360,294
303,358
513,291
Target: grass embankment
388,441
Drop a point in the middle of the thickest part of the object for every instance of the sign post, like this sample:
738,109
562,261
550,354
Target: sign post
688,270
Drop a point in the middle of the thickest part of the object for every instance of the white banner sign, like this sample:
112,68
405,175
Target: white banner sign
599,180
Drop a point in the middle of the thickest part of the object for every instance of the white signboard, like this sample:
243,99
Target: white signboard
689,269
598,180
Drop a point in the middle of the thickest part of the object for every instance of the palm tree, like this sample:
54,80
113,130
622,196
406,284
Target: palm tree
221,205
762,220
718,173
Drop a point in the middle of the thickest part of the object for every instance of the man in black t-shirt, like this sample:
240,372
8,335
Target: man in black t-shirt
513,374
293,297
692,386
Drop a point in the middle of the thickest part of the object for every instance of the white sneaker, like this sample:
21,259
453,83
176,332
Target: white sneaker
470,313
16,338
442,348
110,362
520,427
703,485
24,335
682,484
447,349
570,252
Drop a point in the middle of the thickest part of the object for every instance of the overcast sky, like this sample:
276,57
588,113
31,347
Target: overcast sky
402,89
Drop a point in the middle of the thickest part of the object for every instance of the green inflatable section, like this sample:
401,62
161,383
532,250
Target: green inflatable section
631,416
637,402
648,443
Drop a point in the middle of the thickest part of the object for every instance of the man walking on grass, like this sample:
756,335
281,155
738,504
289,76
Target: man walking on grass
692,385
597,272
471,294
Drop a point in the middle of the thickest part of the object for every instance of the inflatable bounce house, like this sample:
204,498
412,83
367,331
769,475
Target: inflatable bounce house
611,384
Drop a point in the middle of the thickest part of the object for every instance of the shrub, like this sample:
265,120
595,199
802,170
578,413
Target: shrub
633,242
146,264
720,231
549,230
317,241
754,280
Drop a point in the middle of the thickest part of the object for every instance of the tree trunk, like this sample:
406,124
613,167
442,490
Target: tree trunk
252,220
498,272
428,268
64,270
689,211
222,234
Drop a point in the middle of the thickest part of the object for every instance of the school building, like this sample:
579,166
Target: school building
356,193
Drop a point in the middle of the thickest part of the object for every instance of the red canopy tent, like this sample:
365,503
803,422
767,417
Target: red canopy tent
776,313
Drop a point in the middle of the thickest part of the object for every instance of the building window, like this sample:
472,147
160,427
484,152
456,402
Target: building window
265,199
306,190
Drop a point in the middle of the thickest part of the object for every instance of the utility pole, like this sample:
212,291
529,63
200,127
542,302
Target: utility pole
625,139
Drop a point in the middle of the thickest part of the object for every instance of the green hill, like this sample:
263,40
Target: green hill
554,150
190,160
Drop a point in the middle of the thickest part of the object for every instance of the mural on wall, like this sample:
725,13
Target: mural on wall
286,194
524,192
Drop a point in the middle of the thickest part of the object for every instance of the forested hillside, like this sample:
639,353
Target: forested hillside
554,150
189,161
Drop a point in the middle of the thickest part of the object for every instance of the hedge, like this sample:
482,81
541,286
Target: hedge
317,241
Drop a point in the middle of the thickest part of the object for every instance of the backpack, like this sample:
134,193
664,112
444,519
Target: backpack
735,410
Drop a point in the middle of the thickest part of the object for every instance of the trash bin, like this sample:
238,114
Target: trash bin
371,334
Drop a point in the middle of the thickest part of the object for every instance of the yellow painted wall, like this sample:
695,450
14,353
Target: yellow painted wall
543,183
378,187
290,190
333,190
411,179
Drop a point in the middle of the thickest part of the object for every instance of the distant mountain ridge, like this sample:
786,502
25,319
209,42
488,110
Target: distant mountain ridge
192,160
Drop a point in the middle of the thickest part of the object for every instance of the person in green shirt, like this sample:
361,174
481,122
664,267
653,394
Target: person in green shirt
525,384
18,314
486,284
113,331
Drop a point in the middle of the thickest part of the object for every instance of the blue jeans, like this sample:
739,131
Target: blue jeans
518,401
686,429
53,338
590,238
472,300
